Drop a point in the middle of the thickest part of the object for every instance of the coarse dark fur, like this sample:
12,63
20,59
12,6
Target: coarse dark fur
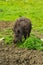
22,27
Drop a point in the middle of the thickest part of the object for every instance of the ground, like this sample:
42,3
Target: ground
10,10
10,54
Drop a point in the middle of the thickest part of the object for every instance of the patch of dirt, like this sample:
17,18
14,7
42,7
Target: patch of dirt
6,24
40,35
12,55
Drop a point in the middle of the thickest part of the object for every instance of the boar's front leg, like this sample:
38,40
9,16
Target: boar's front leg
20,38
25,35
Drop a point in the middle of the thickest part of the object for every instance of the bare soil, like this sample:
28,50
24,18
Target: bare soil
12,55
6,24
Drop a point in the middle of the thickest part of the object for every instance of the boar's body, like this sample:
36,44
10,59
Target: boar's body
22,27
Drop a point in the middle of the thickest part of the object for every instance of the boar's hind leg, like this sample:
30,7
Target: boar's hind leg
28,34
25,35
20,40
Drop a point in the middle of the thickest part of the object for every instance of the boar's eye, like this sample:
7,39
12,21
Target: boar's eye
18,31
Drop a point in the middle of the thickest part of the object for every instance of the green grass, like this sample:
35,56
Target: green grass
32,42
7,35
33,9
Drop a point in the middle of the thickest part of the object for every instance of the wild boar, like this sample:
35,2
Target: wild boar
22,27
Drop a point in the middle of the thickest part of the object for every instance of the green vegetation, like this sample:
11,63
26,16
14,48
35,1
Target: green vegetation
33,9
8,39
7,35
32,42
12,9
